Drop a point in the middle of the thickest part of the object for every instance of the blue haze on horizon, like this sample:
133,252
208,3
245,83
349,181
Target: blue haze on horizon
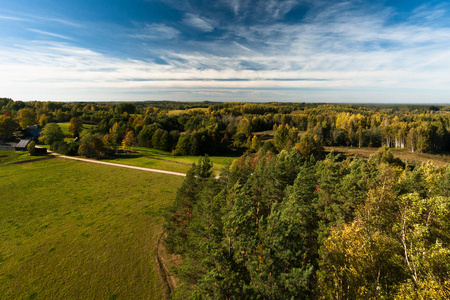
364,51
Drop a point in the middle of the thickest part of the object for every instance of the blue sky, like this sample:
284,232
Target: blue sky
226,50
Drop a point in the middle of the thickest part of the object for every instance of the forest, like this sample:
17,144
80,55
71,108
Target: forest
289,226
199,128
285,220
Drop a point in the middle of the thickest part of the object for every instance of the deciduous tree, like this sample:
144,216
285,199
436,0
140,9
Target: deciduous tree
26,117
75,127
51,133
7,127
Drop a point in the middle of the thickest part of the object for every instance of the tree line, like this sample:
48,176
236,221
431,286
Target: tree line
189,128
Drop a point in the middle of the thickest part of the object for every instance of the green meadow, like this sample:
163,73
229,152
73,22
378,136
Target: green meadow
157,159
65,128
73,230
7,157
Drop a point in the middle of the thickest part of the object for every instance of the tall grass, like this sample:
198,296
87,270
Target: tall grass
72,230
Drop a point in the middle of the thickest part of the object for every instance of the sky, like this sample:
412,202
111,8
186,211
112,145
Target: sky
363,51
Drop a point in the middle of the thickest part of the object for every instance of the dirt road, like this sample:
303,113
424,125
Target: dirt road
118,165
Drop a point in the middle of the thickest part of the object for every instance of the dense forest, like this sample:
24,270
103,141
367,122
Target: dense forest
198,128
289,226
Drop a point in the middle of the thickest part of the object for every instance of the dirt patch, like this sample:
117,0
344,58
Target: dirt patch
28,161
171,161
165,261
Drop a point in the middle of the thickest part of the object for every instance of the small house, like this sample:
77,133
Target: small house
31,133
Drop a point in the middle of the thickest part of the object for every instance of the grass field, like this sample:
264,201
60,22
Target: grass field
157,159
7,157
439,160
73,230
65,128
177,112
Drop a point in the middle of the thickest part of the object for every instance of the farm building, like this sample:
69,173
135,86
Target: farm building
21,145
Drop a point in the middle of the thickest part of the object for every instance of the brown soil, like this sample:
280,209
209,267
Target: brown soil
165,262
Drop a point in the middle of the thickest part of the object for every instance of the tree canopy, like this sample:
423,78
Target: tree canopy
289,226
52,133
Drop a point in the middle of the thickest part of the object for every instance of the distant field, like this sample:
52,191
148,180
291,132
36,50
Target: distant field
264,135
65,128
269,134
72,230
176,112
439,160
157,159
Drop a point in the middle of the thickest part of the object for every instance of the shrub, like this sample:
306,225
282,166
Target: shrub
31,148
60,147
73,149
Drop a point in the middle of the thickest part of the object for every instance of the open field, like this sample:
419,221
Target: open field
7,157
264,135
176,112
157,159
72,230
439,160
65,128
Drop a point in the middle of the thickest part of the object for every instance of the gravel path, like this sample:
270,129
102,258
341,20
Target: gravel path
118,165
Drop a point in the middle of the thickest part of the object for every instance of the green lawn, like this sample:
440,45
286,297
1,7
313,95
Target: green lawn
177,112
7,157
65,128
73,230
157,159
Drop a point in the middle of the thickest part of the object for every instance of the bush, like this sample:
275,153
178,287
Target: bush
73,149
31,148
86,150
60,147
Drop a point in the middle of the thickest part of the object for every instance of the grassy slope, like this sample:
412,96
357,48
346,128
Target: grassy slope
15,156
65,128
74,230
157,159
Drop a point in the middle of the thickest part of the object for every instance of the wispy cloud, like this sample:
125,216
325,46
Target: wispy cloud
66,22
157,31
11,18
197,22
37,18
263,10
431,13
50,34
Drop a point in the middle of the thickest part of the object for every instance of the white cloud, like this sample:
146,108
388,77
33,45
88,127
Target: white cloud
261,9
430,13
56,71
11,18
157,31
197,22
42,32
36,18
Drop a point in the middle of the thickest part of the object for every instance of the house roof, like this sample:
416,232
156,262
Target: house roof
22,144
33,131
